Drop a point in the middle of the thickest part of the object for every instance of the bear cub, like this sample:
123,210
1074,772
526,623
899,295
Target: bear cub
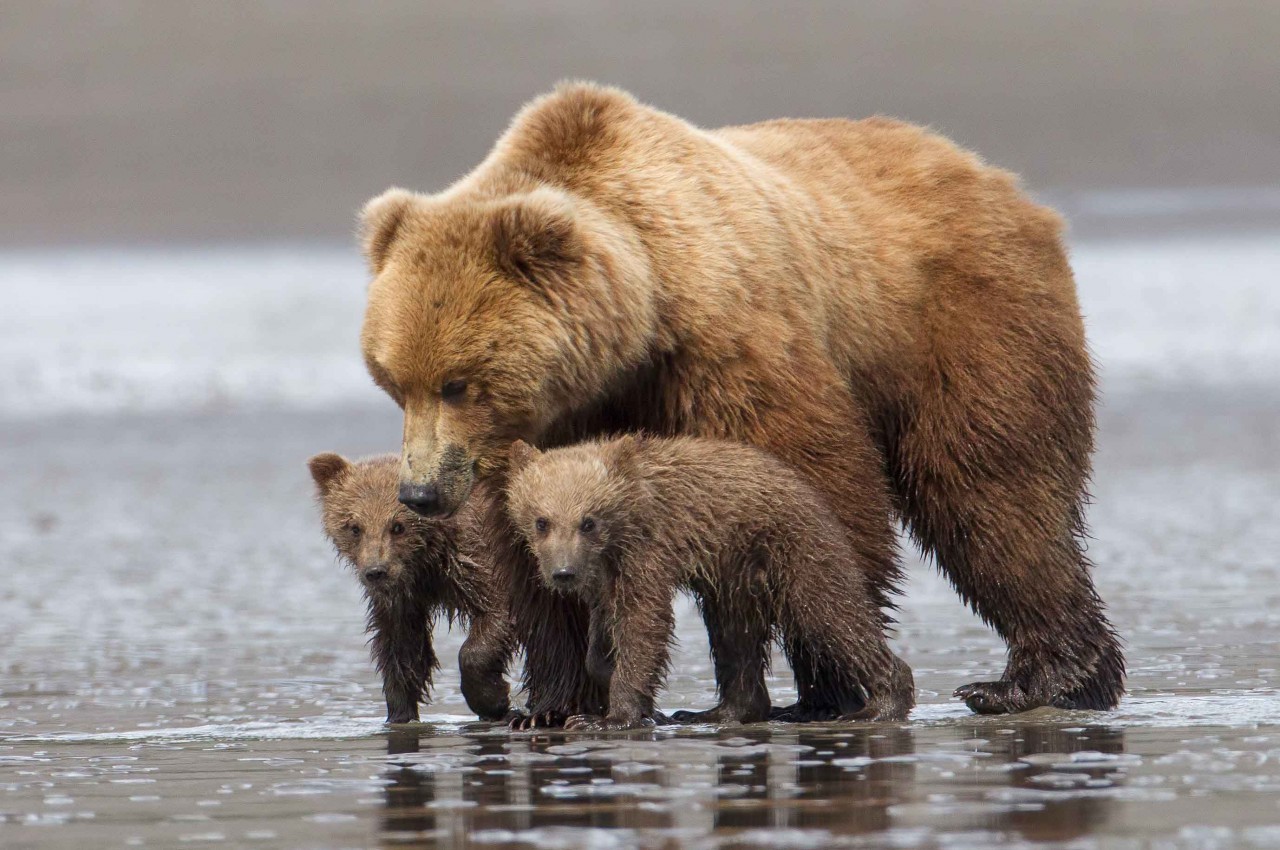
626,523
413,569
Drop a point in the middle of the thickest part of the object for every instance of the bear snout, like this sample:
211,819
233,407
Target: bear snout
376,574
422,499
563,577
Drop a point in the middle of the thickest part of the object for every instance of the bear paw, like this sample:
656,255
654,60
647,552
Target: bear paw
1002,697
521,721
596,723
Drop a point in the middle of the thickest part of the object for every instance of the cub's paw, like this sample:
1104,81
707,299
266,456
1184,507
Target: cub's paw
521,721
596,723
1001,697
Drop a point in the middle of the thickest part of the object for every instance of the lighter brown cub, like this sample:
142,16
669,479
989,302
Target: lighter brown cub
625,524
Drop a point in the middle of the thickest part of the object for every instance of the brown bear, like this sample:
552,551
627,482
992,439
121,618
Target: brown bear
625,524
413,569
879,309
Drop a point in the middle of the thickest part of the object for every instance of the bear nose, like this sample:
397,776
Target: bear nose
375,574
563,575
422,499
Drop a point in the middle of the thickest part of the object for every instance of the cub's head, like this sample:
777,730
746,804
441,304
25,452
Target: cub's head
489,319
381,539
570,505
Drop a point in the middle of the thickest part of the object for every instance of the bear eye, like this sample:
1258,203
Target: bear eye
587,525
355,529
541,525
454,390
397,528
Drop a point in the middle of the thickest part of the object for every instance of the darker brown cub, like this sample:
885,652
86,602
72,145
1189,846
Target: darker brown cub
413,569
625,524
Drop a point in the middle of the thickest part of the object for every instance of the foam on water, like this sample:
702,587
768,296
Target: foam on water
137,330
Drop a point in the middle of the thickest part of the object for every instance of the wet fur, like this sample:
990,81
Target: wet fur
876,307
755,544
435,569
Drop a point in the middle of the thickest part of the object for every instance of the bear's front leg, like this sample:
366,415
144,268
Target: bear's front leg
739,638
600,651
482,662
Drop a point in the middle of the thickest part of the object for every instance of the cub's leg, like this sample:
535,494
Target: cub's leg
640,624
403,654
834,637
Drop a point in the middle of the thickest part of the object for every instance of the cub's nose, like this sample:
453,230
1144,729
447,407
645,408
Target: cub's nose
563,575
422,499
375,574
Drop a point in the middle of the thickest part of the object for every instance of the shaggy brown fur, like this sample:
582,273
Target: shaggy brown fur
413,569
879,309
627,523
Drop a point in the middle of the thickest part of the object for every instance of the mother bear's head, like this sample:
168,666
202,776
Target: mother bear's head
492,316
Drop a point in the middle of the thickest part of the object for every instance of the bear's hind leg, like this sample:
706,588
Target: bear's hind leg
991,465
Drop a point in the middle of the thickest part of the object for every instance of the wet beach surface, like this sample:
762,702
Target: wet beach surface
181,659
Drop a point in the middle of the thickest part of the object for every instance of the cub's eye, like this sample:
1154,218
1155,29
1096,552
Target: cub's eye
355,529
541,525
397,528
587,525
453,390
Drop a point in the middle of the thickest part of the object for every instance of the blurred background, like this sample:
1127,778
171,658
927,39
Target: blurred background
180,299
149,122
246,136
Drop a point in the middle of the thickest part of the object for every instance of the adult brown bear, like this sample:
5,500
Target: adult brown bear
871,304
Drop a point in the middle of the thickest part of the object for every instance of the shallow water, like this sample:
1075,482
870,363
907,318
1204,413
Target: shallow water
181,659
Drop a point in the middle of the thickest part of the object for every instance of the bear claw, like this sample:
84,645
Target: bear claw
1001,697
596,723
524,722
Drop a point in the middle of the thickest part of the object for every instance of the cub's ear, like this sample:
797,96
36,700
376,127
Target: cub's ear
535,236
326,469
622,451
520,455
380,220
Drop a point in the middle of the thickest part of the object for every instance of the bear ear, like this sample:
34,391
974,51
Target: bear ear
622,452
520,455
536,236
380,221
326,469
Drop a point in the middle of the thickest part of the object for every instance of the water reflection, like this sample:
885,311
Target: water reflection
1040,782
1054,798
